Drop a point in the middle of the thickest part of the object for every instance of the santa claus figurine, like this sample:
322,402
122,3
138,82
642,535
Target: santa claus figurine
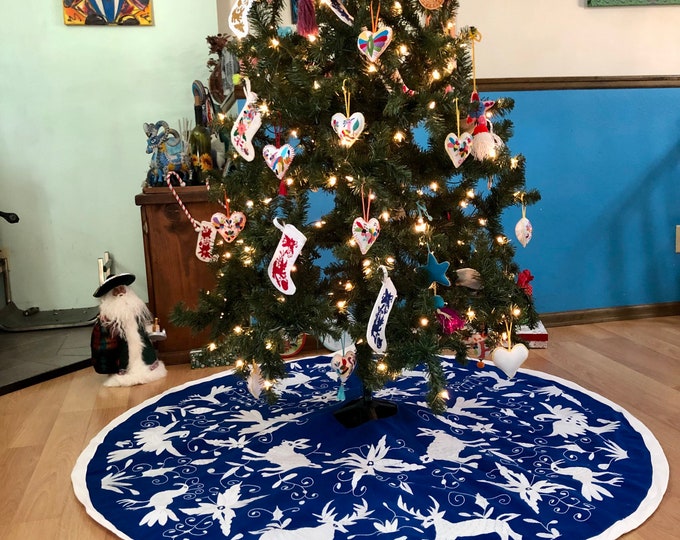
121,343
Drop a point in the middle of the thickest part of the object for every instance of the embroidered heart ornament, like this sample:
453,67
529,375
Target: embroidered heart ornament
278,159
229,227
373,44
458,148
365,233
344,364
348,129
509,361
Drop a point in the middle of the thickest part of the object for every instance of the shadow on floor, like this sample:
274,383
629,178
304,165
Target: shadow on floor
28,358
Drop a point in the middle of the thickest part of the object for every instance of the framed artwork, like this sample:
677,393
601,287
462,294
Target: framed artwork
604,3
107,12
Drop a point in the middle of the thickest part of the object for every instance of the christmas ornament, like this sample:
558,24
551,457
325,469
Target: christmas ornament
255,381
247,123
458,147
523,228
278,158
290,246
372,43
469,277
524,280
206,232
476,347
432,4
343,363
306,20
340,10
450,320
348,127
238,18
229,226
509,360
377,323
436,271
364,230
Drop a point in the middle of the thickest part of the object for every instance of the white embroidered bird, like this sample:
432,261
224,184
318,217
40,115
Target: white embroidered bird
568,422
156,439
159,502
590,489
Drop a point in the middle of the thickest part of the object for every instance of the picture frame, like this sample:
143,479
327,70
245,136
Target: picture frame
621,3
107,12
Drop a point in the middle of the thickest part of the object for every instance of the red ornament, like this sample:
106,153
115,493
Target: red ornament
450,320
523,280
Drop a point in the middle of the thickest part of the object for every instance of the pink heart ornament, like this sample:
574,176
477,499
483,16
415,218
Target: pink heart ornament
509,361
229,227
344,364
365,233
373,44
278,159
348,129
458,148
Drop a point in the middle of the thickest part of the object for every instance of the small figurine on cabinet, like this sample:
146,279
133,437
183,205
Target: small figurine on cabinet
122,335
168,153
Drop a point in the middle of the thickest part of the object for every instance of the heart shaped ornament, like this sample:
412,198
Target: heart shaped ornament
373,44
229,227
458,148
365,233
344,364
348,129
278,159
509,361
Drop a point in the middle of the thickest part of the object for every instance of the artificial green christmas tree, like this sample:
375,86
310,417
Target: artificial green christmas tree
377,107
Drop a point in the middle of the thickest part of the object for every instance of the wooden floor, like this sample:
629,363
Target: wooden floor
44,428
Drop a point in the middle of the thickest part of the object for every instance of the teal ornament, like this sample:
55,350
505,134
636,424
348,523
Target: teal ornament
436,270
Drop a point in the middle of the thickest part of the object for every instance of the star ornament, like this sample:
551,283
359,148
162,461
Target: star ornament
436,270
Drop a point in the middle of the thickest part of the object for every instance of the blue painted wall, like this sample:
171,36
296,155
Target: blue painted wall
607,163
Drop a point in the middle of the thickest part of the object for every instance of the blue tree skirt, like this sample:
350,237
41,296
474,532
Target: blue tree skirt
531,457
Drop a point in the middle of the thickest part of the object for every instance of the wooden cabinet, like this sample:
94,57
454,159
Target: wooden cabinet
173,272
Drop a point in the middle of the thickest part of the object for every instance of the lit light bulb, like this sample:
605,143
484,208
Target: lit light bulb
240,363
514,162
275,43
390,260
294,134
516,311
403,50
332,181
470,193
238,330
470,313
434,186
312,38
212,347
268,345
501,239
342,304
349,286
250,204
264,108
316,85
372,68
482,222
444,394
385,215
431,105
399,136
267,385
436,75
382,366
424,321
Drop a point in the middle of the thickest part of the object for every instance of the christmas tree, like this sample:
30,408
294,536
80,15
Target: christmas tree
377,107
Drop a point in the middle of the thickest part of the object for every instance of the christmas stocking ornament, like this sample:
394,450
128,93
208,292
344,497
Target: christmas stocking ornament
238,17
205,242
290,246
247,123
377,323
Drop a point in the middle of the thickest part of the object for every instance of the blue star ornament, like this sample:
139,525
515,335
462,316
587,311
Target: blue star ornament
436,270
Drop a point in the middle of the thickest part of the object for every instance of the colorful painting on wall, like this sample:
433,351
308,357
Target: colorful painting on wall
108,12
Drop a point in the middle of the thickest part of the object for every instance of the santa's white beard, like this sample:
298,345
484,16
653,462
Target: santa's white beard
123,314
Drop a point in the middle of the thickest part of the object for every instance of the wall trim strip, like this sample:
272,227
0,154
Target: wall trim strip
622,313
577,83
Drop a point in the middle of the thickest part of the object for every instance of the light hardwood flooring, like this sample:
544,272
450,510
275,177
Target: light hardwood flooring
44,428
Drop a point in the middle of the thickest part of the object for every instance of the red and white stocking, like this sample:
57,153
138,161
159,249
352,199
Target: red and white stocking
284,257
205,242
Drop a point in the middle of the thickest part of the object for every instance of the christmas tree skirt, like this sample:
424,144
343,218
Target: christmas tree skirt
532,457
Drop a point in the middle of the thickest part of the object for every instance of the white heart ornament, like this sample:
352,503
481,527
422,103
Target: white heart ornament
344,364
373,44
348,129
524,231
458,148
365,233
278,159
229,227
509,361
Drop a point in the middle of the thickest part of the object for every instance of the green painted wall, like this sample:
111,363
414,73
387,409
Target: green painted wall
72,147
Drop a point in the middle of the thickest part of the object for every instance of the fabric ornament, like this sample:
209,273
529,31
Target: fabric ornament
340,10
450,320
247,123
524,280
372,43
432,4
238,18
290,246
206,232
278,158
484,141
365,231
523,228
348,127
255,381
343,363
229,226
436,271
470,278
306,20
377,323
458,147
509,360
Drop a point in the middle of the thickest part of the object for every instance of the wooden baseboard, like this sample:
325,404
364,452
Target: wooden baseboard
589,316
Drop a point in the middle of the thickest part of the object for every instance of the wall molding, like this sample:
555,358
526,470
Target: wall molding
577,83
590,316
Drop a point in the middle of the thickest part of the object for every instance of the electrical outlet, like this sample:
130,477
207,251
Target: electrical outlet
677,238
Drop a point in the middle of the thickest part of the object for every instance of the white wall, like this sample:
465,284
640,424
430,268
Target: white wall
552,38
72,147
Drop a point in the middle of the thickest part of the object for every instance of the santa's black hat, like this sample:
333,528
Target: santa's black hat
112,282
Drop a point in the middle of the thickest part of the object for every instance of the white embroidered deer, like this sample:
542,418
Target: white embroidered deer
448,530
325,531
446,447
284,456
